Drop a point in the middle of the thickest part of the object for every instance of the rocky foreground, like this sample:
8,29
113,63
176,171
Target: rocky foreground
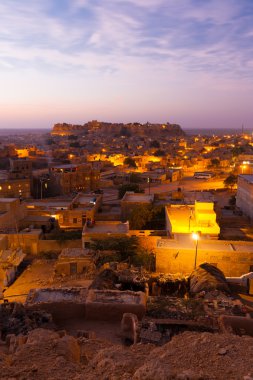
47,355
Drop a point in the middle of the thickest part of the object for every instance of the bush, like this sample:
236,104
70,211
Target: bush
48,255
65,235
128,187
123,249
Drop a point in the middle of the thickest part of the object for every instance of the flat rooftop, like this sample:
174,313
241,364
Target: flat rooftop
8,200
137,197
184,219
107,228
185,241
247,177
36,218
28,231
64,166
115,296
50,203
86,198
74,252
49,295
201,196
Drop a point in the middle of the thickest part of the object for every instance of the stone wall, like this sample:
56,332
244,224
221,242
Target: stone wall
57,245
110,305
4,242
182,260
27,241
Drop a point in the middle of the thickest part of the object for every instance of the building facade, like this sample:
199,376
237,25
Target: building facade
244,197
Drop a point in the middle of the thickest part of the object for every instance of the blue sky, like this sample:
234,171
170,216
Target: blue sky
183,61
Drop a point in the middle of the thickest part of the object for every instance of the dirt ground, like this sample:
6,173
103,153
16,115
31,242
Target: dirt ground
40,274
104,330
45,355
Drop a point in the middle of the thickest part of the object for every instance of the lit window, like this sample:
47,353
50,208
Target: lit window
0,187
9,187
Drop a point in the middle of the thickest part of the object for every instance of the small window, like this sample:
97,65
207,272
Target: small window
75,220
73,268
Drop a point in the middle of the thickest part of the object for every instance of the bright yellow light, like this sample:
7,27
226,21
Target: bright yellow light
195,236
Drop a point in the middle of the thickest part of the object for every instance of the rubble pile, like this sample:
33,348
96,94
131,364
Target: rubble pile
172,284
207,277
47,355
125,277
175,308
16,319
43,354
106,279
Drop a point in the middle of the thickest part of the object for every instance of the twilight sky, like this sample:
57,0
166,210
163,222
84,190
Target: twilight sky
184,61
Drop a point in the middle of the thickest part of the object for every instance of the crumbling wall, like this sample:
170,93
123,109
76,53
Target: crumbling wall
59,306
110,305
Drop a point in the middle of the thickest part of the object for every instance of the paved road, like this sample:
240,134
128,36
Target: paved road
188,184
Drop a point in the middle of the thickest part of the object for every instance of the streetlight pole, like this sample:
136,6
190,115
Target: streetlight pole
42,180
195,237
148,186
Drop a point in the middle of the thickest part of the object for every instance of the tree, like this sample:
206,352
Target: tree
237,150
159,153
232,200
128,187
123,249
230,181
215,162
135,178
140,216
130,162
154,144
147,217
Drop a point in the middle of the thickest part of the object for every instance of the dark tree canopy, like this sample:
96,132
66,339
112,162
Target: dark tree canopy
130,162
128,187
230,181
154,144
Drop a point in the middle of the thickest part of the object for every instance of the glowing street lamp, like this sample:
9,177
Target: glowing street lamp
148,185
243,167
195,236
43,180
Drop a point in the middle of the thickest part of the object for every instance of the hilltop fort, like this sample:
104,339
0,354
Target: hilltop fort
121,129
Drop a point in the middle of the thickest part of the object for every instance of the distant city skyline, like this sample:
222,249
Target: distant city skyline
188,62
